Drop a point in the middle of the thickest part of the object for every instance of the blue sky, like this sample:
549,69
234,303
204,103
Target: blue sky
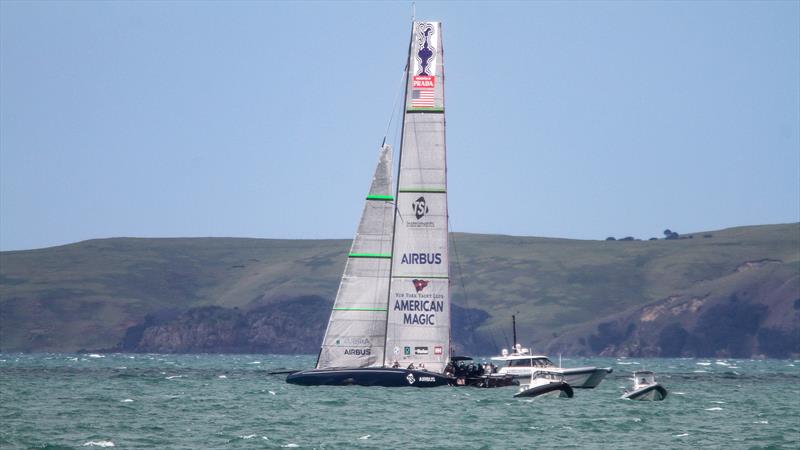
263,119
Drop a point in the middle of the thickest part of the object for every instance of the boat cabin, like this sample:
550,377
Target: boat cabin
521,357
643,378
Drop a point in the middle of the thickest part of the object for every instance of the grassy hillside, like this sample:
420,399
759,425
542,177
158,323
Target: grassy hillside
86,295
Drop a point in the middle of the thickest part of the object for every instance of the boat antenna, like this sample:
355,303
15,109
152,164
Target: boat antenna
514,328
413,11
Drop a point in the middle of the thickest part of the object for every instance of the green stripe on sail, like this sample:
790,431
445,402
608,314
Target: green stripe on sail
423,190
360,309
380,197
424,110
369,255
420,276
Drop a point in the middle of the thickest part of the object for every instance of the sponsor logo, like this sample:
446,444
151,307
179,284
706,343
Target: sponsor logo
420,350
410,378
421,258
419,285
357,351
420,208
397,350
427,379
353,341
437,350
426,51
407,351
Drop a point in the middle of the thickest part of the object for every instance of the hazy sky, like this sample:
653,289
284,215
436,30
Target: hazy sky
263,119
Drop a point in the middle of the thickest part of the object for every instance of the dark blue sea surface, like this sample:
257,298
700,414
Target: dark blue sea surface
230,401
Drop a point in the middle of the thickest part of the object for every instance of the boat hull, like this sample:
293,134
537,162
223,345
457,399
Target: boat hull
386,377
580,377
560,389
653,392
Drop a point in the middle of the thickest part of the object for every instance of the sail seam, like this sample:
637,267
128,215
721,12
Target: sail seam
424,191
360,309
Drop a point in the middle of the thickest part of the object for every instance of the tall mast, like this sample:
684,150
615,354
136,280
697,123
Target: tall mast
396,191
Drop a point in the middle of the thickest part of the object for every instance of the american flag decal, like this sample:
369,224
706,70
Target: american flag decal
423,93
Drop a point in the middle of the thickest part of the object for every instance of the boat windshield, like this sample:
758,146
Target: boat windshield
530,362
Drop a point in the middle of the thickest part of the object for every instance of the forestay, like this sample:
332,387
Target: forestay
355,334
418,328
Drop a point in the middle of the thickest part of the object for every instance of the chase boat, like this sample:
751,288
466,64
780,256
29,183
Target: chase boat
520,362
645,387
545,384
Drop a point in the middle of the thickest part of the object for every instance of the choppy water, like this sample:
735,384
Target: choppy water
229,401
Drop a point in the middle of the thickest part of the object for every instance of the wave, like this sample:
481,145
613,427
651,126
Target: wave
99,444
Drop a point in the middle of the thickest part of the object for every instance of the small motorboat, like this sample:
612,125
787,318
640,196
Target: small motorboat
545,384
645,387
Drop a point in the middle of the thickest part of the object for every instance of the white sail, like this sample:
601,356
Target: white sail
418,328
355,334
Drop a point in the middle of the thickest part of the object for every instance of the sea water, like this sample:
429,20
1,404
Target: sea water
231,401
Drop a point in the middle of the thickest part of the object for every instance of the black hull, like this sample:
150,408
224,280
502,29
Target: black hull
566,390
653,392
385,377
487,381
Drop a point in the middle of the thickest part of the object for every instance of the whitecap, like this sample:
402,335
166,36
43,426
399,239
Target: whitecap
174,376
716,408
271,392
264,438
636,419
763,422
722,363
365,437
95,355
679,393
255,362
290,445
681,435
127,400
222,376
249,436
99,444
703,364
700,371
719,402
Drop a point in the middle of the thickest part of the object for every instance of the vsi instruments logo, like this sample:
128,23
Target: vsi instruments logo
419,285
421,258
420,208
410,378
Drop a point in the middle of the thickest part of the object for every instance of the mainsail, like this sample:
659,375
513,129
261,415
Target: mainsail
355,336
418,327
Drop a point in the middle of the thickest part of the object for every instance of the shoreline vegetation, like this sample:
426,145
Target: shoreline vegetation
731,293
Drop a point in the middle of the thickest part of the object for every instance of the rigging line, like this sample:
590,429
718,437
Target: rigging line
394,105
458,264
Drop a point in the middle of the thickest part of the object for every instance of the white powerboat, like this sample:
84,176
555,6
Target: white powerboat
520,362
645,387
545,384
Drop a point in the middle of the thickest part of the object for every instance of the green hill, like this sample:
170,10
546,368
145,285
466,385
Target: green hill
575,296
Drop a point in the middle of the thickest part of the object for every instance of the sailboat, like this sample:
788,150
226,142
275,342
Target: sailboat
390,324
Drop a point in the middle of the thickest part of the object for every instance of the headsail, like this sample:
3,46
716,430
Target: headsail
355,335
418,328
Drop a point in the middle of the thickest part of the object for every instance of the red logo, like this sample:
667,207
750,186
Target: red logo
437,350
423,81
419,285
